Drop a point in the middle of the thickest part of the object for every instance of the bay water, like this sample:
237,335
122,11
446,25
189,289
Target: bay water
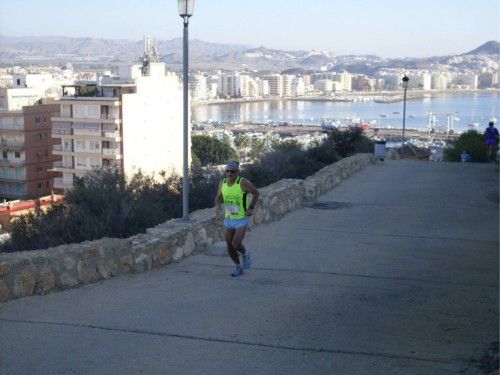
466,108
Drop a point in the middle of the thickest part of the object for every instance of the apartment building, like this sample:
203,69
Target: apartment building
198,87
128,125
27,89
275,84
26,146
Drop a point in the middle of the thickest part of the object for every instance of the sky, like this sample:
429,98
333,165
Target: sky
386,28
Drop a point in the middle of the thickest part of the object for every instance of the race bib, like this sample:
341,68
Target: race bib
231,209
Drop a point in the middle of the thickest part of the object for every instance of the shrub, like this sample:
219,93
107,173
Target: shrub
105,204
350,141
210,150
470,141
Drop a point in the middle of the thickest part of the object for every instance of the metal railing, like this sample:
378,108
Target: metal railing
111,151
63,131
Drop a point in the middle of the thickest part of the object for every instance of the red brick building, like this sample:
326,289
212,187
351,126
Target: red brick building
26,152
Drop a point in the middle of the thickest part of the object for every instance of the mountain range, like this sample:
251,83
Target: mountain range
95,52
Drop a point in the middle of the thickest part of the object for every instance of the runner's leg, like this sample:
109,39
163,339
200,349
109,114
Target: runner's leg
229,236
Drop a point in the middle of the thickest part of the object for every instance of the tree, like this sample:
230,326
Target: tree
210,150
470,141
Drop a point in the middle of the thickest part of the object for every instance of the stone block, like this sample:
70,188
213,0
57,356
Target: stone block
143,263
178,254
189,245
46,280
69,263
4,292
86,273
67,280
163,254
24,282
5,268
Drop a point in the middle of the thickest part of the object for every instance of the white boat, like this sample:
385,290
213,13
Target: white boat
474,125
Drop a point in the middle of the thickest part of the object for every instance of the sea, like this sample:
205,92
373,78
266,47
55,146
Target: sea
463,111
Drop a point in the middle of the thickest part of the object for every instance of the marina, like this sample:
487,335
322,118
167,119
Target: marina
445,111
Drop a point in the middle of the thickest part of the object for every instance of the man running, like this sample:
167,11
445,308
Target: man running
232,193
491,136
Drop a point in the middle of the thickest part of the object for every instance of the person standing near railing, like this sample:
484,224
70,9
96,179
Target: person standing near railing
491,139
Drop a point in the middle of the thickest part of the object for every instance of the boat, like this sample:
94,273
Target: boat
396,112
383,115
473,125
411,116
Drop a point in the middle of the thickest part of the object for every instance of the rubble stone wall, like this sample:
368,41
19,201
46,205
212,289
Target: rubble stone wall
25,273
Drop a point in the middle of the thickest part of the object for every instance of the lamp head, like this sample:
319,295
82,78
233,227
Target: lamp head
405,80
186,8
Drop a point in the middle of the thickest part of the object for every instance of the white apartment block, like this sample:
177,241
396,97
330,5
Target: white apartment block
298,87
345,81
468,80
287,84
324,85
419,80
440,81
131,126
226,85
198,87
275,84
264,89
27,89
14,99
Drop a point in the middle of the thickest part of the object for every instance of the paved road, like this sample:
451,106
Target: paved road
395,271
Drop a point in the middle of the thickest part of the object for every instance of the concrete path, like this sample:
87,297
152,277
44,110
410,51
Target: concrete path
395,271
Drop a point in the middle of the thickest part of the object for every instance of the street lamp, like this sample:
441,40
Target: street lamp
185,11
405,87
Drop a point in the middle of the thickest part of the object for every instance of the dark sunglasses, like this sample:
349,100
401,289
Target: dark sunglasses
230,171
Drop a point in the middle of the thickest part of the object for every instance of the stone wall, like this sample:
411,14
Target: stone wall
26,273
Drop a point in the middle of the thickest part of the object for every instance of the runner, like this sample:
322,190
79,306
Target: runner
232,193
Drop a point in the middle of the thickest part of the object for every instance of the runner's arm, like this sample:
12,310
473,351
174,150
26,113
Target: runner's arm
249,188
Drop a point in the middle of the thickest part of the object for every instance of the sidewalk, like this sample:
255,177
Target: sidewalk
395,271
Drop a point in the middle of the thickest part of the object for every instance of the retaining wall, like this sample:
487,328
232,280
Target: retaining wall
26,273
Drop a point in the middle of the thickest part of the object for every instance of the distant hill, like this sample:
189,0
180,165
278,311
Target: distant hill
97,52
489,48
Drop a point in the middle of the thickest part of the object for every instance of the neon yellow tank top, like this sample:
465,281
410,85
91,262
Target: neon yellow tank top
234,199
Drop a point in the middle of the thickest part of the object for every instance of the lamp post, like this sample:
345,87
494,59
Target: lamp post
185,11
405,87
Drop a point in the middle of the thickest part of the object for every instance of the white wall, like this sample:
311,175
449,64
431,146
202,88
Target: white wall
153,124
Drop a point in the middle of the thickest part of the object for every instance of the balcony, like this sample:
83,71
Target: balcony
60,148
60,131
12,145
12,162
114,135
13,178
60,183
9,128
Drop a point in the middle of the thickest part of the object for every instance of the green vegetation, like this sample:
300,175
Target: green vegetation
211,151
105,204
470,141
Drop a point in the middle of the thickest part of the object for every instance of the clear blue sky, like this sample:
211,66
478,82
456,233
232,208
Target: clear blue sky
387,28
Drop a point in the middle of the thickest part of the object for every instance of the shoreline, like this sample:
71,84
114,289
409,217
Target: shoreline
392,96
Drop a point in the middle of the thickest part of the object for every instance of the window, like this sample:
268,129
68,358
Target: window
39,185
4,154
39,136
17,154
18,82
39,169
38,120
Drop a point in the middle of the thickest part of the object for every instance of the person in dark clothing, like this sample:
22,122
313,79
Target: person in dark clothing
491,138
